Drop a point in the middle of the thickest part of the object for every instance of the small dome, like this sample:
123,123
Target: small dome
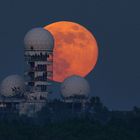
39,39
12,85
75,86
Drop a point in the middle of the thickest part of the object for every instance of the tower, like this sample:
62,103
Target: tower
75,91
38,55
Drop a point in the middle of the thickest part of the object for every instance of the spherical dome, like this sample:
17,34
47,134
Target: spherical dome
12,85
75,86
39,39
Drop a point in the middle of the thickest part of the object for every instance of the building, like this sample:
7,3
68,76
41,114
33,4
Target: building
30,96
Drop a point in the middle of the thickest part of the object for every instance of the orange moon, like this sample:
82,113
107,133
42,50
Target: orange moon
75,50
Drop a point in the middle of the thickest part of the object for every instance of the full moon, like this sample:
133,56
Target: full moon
75,50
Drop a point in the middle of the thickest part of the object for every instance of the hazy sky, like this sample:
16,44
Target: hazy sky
114,23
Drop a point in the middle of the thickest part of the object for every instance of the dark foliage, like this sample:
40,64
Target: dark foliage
77,129
51,124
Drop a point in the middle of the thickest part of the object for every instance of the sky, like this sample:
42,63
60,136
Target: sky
115,25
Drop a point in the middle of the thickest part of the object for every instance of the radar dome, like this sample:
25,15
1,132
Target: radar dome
75,86
12,85
39,39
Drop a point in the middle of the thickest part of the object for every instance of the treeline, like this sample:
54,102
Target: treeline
115,129
58,121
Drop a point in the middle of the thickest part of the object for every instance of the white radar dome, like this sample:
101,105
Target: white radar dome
75,86
12,85
38,39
